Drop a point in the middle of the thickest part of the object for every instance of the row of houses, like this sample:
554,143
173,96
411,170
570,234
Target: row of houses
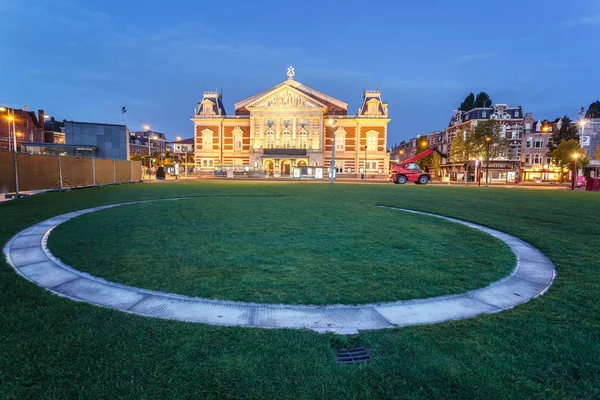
528,159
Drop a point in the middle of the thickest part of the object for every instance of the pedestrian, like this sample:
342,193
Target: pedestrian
176,168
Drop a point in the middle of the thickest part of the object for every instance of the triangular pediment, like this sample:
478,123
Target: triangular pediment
285,97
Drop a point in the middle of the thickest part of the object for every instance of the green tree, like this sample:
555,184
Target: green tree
137,157
563,155
567,131
483,100
489,143
422,145
468,104
436,165
593,110
463,150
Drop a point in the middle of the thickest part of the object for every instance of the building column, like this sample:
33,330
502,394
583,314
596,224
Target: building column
262,131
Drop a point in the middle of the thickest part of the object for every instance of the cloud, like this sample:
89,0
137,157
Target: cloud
472,57
590,20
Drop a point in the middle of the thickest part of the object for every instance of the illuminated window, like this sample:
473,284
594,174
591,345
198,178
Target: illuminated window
270,138
372,139
302,139
340,139
207,139
286,139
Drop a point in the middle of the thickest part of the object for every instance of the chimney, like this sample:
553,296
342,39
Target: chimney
41,118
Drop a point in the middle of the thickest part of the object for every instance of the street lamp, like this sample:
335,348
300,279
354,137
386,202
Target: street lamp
488,141
479,164
574,174
366,147
332,122
11,118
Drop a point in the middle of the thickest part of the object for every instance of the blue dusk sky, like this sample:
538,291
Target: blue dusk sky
84,60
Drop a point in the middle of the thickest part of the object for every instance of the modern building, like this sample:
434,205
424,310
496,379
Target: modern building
28,125
292,125
110,140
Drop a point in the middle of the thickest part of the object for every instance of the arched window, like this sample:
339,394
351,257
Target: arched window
286,140
269,138
340,139
302,138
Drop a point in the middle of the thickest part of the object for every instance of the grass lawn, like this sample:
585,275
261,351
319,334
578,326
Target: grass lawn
282,250
53,347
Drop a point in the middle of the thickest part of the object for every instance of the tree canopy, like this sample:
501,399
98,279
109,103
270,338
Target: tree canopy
468,104
563,155
482,100
490,143
567,131
484,140
593,110
422,145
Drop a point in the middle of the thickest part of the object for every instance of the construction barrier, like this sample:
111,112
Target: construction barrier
38,172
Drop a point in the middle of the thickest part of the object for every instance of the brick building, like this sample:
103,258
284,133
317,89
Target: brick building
292,125
28,125
502,169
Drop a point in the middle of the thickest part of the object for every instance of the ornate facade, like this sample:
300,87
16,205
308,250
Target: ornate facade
292,125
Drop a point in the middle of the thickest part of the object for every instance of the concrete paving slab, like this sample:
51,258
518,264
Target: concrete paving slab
434,311
47,274
320,318
21,242
194,310
21,257
100,293
510,293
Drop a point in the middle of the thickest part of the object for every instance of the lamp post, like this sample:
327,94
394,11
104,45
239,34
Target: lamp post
11,118
574,173
366,147
332,122
488,141
479,171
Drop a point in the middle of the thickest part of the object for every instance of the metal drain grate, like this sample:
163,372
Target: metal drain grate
353,356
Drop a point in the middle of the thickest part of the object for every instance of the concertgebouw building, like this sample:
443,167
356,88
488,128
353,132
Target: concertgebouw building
292,125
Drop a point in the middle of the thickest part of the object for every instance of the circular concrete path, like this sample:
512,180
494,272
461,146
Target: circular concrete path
28,254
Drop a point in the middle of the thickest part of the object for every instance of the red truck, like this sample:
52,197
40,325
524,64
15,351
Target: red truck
409,171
